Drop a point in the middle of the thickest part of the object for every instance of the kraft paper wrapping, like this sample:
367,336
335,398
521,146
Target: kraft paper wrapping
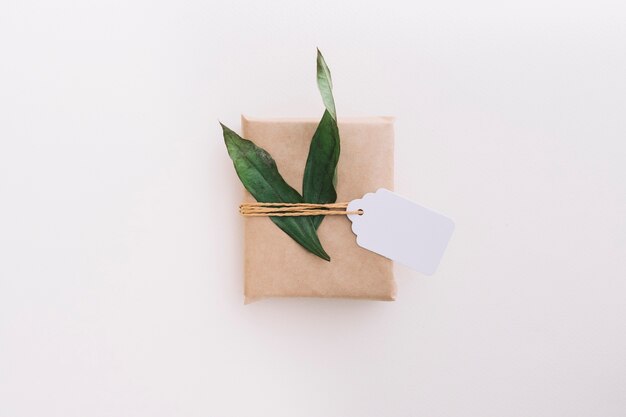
275,265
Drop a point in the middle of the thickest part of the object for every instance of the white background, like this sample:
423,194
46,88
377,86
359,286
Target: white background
120,245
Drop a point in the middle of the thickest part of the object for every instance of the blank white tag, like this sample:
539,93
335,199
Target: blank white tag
401,230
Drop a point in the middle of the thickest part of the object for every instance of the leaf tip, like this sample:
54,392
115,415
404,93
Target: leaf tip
321,62
227,132
322,254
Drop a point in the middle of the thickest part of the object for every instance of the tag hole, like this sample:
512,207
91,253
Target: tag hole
360,212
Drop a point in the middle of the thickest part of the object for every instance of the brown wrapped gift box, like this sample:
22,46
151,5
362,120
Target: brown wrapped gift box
275,265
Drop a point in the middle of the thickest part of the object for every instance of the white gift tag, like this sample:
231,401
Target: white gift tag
401,230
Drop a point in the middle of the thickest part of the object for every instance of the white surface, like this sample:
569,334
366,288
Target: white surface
120,243
400,229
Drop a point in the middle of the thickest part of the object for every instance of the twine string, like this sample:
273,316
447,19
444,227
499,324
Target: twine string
295,209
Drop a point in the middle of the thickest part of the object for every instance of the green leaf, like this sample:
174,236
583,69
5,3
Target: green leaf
325,85
320,174
321,165
258,172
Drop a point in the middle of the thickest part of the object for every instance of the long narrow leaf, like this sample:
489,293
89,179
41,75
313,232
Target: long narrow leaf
320,174
258,172
321,165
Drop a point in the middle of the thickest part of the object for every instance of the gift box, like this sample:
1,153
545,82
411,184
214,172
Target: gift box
275,265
